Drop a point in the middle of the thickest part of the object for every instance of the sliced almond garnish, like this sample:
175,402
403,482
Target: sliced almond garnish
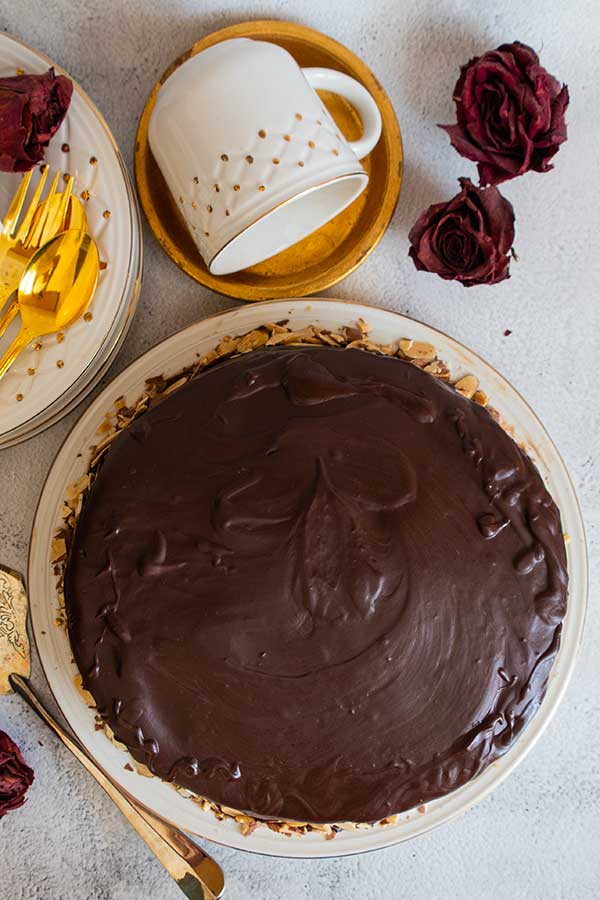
467,385
228,345
290,337
327,338
175,386
438,369
58,550
78,487
417,349
252,340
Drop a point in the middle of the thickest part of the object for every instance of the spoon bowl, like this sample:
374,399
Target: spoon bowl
55,289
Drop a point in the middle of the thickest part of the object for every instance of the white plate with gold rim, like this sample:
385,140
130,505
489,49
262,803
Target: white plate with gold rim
72,461
45,383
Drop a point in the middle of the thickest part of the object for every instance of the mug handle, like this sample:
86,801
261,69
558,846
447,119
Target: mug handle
359,97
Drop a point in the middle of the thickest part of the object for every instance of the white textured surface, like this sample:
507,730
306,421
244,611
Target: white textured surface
538,836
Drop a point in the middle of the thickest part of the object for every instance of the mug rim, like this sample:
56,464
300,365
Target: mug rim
206,50
359,173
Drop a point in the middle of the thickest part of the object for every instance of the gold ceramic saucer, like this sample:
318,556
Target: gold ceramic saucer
337,248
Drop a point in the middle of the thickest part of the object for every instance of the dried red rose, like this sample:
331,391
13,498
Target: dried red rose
32,108
510,113
15,775
467,239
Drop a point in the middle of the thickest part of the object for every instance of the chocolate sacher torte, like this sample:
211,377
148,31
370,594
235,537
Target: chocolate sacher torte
316,584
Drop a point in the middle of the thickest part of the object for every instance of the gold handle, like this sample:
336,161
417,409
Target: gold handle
9,314
195,873
19,344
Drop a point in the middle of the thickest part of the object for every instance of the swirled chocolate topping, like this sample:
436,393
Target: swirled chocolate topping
317,584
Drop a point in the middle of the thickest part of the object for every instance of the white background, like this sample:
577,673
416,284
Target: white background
538,836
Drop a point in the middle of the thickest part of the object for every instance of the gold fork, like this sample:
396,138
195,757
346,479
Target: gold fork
197,875
24,233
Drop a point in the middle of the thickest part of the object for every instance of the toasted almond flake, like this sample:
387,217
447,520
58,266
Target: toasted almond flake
338,338
229,811
227,345
78,487
107,441
175,386
438,369
58,550
157,382
480,397
326,338
467,385
417,349
290,337
208,359
252,341
386,349
351,333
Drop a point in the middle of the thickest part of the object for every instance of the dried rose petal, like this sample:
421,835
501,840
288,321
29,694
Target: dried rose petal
467,239
510,113
15,775
32,108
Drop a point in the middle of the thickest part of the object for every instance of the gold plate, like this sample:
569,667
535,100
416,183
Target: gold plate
334,250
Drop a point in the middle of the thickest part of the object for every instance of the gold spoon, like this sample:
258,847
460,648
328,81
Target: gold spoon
55,289
55,214
24,231
197,875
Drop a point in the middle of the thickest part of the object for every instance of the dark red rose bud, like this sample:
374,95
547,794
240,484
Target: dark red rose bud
510,113
467,239
15,775
32,108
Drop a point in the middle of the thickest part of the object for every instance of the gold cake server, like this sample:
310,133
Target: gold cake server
198,875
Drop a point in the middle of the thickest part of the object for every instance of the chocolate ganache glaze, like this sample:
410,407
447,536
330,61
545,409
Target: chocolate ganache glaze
317,584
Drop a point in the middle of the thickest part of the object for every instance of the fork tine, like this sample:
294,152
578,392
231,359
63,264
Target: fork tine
55,223
8,316
14,210
34,238
35,200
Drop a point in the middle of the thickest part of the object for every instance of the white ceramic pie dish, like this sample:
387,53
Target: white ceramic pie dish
72,461
64,371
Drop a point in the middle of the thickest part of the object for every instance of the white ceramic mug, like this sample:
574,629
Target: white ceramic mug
252,157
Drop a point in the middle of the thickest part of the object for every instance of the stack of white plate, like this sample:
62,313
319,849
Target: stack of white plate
45,383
